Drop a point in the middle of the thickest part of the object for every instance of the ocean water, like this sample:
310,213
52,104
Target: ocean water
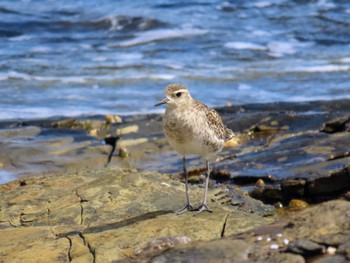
68,58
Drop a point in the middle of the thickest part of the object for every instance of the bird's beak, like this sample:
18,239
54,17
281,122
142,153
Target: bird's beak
163,101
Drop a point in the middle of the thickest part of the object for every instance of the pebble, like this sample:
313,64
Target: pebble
331,250
260,183
347,195
296,204
274,246
165,184
123,152
278,205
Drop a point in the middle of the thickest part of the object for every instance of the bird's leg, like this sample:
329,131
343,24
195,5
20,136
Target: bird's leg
188,206
204,205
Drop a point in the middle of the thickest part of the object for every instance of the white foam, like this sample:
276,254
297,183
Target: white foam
279,49
4,77
41,49
160,34
325,3
260,33
20,38
244,45
157,76
344,60
130,56
18,75
262,4
26,77
73,79
85,46
243,86
99,59
322,68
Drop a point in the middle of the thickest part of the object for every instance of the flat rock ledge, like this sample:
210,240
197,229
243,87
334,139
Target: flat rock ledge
113,214
317,234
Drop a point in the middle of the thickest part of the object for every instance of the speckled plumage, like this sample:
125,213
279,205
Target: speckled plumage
192,128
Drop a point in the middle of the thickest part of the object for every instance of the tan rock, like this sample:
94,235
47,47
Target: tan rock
113,118
34,244
107,215
128,129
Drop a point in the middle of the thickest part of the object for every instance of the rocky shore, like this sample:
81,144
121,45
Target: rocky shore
105,188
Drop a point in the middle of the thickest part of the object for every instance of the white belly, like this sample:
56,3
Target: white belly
196,147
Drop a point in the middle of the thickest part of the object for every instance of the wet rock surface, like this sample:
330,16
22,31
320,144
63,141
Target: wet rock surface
67,206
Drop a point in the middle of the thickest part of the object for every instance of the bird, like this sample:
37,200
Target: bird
192,128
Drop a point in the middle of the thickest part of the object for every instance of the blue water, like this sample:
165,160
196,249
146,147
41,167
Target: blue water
95,57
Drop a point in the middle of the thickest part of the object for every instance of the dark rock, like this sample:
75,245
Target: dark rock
333,182
337,125
293,188
306,248
268,194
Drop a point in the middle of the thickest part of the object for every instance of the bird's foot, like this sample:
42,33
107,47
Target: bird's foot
188,207
202,208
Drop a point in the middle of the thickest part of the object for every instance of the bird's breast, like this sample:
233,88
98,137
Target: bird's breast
189,133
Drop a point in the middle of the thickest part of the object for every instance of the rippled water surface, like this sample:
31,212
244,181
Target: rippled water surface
94,57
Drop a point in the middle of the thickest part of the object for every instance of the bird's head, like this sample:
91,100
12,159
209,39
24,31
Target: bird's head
175,95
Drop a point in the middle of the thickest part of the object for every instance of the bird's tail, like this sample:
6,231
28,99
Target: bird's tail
229,134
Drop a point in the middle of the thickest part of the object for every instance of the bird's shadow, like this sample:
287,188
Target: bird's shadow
116,225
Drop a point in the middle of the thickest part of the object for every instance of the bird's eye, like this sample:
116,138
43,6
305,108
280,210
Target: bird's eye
178,94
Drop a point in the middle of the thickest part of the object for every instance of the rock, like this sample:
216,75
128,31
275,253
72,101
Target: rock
106,215
296,204
128,129
332,259
113,119
158,245
306,248
336,125
110,214
37,151
260,183
258,245
278,205
20,133
293,188
123,152
35,244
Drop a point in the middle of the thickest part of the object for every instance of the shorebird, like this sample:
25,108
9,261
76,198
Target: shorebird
192,128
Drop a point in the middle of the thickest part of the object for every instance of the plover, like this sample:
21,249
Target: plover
192,128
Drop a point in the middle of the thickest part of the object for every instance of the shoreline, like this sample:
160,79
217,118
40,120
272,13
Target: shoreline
289,155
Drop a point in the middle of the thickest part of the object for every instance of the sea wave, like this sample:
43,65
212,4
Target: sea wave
244,45
160,34
321,68
274,48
